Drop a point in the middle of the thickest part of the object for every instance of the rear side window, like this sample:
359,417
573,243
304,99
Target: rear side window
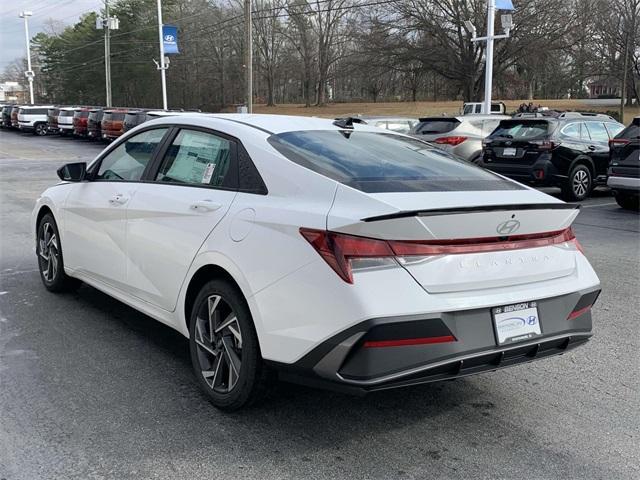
198,158
572,131
597,131
631,132
521,130
435,126
32,111
614,128
383,162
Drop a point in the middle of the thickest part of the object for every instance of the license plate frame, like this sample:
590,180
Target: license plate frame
509,152
516,323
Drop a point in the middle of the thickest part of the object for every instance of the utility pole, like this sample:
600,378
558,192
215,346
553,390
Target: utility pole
162,66
107,53
507,24
248,57
107,23
29,73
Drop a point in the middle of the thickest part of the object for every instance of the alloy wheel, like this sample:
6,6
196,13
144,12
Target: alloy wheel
49,252
580,183
218,341
41,129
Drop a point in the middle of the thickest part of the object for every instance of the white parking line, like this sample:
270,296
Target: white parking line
600,205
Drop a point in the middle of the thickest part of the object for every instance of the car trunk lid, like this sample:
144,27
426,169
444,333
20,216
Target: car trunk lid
507,236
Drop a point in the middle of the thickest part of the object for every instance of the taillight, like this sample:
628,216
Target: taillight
545,144
453,140
341,251
618,142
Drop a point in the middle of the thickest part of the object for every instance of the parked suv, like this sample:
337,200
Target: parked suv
94,124
80,119
571,152
461,135
52,119
112,123
5,118
33,119
65,120
133,118
624,167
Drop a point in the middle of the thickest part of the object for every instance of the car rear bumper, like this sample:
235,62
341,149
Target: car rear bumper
348,362
625,184
542,172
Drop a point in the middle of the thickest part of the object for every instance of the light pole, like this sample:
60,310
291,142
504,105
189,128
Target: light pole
107,23
507,24
162,66
248,54
29,73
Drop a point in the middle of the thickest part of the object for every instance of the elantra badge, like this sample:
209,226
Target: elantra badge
508,227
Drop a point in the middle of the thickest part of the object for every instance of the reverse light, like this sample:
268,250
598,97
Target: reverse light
340,250
453,140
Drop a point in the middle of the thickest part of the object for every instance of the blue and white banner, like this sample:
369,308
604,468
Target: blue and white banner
170,39
504,5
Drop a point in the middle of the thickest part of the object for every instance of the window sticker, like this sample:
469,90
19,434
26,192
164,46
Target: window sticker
208,172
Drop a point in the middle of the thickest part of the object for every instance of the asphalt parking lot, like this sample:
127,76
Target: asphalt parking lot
91,389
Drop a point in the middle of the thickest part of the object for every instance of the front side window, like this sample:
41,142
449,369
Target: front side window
198,158
128,160
597,131
383,162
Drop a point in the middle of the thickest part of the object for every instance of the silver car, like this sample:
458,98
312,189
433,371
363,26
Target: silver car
395,124
460,135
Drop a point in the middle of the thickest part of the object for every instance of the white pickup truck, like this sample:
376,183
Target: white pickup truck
474,108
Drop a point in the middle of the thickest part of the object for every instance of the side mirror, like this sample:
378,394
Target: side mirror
73,172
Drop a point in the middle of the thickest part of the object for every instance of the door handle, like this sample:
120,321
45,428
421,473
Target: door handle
205,206
118,199
591,147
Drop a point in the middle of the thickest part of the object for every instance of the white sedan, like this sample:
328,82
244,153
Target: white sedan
333,253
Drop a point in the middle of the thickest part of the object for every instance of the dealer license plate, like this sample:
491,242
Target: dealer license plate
516,323
509,152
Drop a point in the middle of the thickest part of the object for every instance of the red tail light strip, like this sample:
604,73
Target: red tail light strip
409,341
337,249
453,140
577,313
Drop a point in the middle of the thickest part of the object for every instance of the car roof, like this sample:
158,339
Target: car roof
267,123
466,118
36,106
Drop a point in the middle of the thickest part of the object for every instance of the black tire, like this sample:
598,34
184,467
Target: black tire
579,184
50,261
477,160
212,356
628,202
41,129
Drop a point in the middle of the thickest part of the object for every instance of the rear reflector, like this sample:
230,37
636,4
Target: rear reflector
338,249
453,140
577,313
409,341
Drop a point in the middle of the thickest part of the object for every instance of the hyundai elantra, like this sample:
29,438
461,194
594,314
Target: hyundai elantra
332,253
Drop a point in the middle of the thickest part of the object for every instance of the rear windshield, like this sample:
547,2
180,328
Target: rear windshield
66,113
516,129
136,117
113,116
382,162
435,126
95,115
81,114
631,132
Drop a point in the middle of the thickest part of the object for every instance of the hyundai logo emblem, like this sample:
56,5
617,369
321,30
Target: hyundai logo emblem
169,38
508,227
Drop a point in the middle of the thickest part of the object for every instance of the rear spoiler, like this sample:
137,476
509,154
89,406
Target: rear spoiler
481,208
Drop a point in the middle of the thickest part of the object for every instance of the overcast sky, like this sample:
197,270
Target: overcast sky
12,42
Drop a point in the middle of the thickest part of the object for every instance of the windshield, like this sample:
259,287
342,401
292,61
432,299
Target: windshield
381,162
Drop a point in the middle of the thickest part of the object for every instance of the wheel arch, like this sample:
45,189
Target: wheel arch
44,209
203,275
587,162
